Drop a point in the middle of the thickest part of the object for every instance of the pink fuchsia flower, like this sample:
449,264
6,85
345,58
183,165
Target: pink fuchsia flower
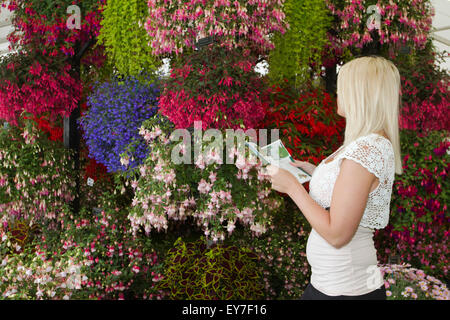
204,187
135,269
212,177
200,163
230,226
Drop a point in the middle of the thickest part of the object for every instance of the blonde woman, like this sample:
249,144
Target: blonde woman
350,191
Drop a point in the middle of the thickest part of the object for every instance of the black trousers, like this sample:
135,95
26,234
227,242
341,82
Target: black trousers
312,293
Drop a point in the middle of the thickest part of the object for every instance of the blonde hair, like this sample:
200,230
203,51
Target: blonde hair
368,91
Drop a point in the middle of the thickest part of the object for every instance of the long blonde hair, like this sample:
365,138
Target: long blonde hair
368,91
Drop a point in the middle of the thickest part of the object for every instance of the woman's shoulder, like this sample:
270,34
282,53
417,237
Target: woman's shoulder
371,141
372,151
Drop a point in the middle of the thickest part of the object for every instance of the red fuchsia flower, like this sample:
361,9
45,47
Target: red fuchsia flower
55,92
33,26
136,269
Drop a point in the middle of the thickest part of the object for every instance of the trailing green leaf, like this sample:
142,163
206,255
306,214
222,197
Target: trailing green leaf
298,52
124,36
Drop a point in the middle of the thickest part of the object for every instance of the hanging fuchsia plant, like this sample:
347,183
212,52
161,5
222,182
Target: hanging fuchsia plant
395,22
43,26
217,87
36,87
177,25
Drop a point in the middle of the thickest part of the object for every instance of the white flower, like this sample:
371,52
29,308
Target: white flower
240,162
125,161
230,226
142,131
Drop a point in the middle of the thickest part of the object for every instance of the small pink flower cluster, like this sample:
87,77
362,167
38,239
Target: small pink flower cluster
34,276
179,28
418,284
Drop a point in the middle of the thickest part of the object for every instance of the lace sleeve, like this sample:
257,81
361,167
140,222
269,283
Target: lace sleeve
369,153
375,153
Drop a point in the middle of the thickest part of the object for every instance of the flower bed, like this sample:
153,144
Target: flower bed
403,282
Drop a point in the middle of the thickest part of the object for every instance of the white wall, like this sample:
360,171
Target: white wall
441,20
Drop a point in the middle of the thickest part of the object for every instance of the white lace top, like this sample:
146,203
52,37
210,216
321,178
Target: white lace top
352,269
375,153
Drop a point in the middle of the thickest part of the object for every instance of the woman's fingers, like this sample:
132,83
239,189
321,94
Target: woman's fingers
306,166
302,164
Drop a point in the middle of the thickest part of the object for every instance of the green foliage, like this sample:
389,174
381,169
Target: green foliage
281,252
298,52
194,271
125,38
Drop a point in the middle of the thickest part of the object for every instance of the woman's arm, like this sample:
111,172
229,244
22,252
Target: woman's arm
348,202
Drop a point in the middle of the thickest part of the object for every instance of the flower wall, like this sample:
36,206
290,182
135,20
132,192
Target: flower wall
150,228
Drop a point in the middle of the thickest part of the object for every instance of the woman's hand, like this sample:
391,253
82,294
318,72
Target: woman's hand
308,167
282,180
